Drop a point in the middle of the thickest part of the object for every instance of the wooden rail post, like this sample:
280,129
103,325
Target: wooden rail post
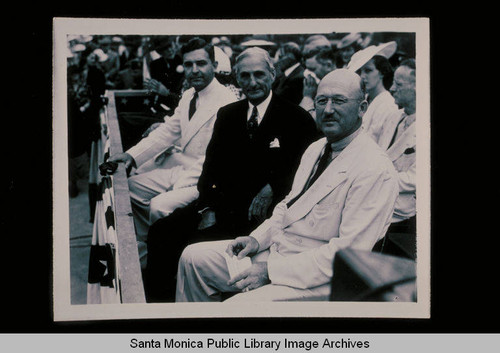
131,285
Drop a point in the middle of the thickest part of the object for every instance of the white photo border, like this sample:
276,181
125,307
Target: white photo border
64,311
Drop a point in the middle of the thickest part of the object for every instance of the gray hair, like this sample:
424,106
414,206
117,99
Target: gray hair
257,52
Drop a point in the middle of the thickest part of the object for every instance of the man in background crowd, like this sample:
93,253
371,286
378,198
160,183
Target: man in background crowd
398,137
289,83
166,80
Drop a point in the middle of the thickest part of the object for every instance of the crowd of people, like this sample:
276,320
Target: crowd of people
282,151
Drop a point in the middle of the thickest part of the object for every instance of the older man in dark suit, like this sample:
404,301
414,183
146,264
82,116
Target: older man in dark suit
250,162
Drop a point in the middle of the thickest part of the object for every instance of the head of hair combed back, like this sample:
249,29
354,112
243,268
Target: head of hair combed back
198,43
260,53
408,63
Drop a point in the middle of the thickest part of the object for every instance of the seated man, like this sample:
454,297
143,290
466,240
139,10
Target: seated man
342,196
399,138
250,163
170,158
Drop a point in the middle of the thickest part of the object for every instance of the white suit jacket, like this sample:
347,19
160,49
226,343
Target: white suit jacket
349,205
403,155
183,142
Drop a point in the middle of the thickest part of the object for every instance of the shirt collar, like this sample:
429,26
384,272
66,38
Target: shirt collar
261,108
206,91
410,119
288,71
338,146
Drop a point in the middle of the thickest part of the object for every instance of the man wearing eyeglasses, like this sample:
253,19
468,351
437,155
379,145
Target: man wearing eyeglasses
343,195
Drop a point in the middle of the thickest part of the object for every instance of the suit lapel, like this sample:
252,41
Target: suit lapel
332,177
190,127
406,140
270,111
389,128
306,170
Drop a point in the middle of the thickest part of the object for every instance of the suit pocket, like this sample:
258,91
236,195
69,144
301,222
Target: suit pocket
404,162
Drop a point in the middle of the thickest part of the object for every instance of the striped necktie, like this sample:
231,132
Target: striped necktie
253,123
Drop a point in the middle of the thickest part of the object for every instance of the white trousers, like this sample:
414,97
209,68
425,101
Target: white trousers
152,198
202,275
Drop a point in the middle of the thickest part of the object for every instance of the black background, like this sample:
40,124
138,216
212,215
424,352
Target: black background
464,294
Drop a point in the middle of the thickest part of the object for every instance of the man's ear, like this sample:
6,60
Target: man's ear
215,64
363,106
273,73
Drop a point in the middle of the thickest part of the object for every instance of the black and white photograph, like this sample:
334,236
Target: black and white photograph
241,168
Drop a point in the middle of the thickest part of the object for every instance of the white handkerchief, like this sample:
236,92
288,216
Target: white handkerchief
274,143
236,266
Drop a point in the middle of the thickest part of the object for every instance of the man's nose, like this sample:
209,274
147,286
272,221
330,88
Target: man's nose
329,107
252,81
392,89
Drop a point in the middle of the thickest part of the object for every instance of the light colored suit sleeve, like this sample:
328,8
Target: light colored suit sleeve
408,179
365,217
264,233
159,139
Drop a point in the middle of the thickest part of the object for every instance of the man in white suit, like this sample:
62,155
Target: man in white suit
170,158
399,138
349,204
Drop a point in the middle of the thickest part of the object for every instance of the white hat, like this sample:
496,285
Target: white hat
224,64
257,43
100,54
77,48
361,57
349,39
85,38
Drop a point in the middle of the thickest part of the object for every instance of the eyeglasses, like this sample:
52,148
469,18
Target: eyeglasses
336,101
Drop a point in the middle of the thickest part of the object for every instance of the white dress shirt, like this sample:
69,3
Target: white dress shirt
261,108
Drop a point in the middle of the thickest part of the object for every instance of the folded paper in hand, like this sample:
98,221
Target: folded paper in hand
235,265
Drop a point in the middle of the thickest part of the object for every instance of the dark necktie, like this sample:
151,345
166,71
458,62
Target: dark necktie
252,123
396,131
192,105
322,164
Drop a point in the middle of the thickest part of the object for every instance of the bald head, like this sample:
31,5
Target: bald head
340,104
343,79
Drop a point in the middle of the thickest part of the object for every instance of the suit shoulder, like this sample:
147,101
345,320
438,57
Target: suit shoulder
292,108
226,92
228,108
315,146
226,112
374,157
